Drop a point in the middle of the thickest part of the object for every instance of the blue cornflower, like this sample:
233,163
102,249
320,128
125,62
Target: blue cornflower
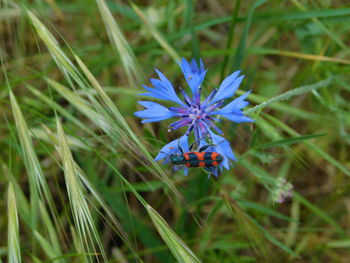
197,114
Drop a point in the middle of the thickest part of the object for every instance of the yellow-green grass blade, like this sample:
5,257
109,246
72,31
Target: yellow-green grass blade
68,115
272,133
100,118
52,248
298,55
24,208
63,62
277,52
110,218
38,185
78,246
83,220
180,250
13,242
82,105
49,250
131,66
157,35
45,134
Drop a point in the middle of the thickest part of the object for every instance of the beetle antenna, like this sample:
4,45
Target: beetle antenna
180,148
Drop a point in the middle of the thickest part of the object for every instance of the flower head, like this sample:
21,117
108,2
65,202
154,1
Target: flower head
197,114
282,191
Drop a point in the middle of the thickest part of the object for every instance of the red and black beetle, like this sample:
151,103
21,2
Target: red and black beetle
207,160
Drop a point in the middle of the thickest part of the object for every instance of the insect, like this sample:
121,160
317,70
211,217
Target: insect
206,160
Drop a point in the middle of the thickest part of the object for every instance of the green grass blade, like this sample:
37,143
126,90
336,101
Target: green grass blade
321,214
321,25
189,14
255,232
293,227
287,142
13,242
291,93
239,55
282,107
246,225
76,101
263,209
234,17
310,145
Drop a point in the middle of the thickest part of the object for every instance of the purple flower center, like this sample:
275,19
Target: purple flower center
197,115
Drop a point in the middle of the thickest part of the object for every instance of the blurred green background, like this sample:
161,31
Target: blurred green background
78,181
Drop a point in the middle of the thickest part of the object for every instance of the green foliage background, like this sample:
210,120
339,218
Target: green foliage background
78,181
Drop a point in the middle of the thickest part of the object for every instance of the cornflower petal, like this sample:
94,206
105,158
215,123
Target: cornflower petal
236,118
155,93
193,73
153,112
163,89
237,103
173,148
223,147
228,87
212,125
185,171
232,111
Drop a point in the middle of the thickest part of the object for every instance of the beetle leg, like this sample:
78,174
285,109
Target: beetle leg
203,148
179,146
